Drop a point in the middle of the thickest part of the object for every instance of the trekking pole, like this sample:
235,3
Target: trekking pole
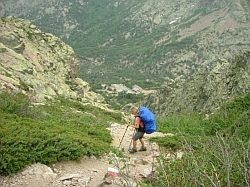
123,136
153,164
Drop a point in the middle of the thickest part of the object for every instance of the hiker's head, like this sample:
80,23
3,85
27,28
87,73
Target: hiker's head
134,110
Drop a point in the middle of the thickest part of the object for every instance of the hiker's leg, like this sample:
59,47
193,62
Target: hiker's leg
134,144
136,136
134,139
141,138
143,148
142,142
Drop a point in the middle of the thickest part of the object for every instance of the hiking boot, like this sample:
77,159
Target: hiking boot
143,149
133,150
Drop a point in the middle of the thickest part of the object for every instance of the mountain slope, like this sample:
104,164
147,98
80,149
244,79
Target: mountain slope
39,64
115,40
206,90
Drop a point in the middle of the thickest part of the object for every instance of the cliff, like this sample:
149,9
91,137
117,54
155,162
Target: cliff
39,64
206,90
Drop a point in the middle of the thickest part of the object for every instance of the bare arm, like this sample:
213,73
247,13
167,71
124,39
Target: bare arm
134,126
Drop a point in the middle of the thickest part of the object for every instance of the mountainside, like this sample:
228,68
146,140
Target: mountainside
114,40
42,66
39,64
206,90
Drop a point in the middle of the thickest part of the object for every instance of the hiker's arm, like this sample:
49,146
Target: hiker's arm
130,125
134,126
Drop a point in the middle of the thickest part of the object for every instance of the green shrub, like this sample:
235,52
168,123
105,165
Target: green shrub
15,103
220,162
216,150
64,130
182,124
232,118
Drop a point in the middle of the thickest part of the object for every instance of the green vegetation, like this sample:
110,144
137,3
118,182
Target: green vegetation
105,41
216,148
119,101
183,124
117,41
100,34
63,130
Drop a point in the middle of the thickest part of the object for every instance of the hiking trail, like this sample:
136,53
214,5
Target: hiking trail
91,171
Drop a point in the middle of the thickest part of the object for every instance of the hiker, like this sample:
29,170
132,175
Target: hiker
140,131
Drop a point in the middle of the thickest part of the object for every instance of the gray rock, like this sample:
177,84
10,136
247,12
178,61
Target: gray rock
41,64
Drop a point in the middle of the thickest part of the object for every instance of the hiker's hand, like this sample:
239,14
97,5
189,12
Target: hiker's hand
129,124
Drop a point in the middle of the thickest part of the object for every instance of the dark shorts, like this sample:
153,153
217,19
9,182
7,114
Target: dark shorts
138,135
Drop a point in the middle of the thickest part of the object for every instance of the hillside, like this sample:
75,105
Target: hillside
48,116
114,40
44,67
206,90
40,65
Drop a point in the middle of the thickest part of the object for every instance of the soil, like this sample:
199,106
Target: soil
91,171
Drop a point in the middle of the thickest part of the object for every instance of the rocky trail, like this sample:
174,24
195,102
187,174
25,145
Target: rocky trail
91,171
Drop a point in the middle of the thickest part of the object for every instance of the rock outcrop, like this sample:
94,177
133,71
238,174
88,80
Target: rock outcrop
39,64
206,90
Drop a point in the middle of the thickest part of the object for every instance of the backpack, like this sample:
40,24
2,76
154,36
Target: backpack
148,119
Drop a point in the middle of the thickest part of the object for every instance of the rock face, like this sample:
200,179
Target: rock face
206,90
160,39
39,64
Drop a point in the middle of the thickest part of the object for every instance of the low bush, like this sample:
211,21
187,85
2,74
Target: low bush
221,161
216,150
182,124
64,130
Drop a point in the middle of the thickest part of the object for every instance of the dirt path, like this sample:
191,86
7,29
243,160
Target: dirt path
90,172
